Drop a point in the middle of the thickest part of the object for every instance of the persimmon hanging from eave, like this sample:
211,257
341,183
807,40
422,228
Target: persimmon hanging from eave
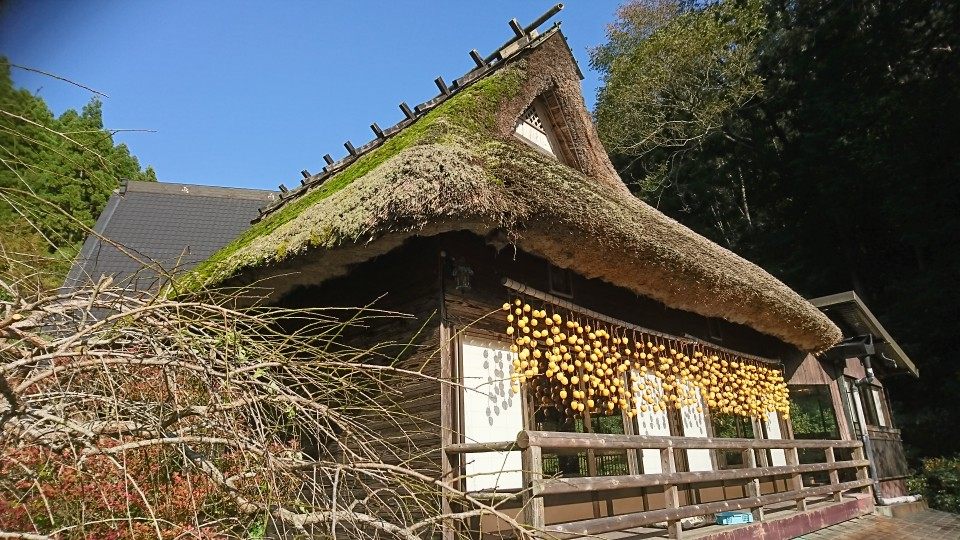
576,365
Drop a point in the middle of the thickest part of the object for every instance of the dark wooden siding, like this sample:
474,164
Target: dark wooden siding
408,280
490,265
477,311
404,282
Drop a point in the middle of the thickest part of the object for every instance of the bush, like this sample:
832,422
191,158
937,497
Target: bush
939,482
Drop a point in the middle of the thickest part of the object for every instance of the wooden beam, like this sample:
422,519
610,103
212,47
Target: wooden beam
376,130
584,441
542,19
668,464
449,469
862,472
476,448
834,475
639,519
350,148
591,455
444,89
753,486
517,29
407,111
556,486
477,58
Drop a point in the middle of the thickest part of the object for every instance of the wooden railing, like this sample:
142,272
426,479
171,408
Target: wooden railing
533,444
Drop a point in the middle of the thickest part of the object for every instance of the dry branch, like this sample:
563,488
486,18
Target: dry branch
172,417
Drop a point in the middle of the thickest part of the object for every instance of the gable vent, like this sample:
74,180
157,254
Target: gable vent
534,129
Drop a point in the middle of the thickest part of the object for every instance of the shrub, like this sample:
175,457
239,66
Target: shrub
939,482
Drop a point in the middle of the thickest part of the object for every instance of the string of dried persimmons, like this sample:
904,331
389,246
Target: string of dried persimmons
576,365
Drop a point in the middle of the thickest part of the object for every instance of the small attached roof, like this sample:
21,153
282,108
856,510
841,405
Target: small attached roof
855,319
455,164
164,226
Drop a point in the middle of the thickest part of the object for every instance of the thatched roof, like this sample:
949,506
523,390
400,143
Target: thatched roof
458,167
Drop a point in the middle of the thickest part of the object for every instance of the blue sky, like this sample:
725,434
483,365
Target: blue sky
249,93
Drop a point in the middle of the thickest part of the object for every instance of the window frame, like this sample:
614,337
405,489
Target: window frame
552,271
825,405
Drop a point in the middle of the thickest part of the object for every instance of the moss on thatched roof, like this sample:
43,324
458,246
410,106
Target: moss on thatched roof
470,112
457,168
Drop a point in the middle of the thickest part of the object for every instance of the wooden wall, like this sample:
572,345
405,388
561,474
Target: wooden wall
890,462
491,265
415,277
408,430
477,311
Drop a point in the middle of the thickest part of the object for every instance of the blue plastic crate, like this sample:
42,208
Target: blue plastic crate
733,518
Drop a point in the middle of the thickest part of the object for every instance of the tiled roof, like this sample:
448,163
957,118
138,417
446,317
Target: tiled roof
171,226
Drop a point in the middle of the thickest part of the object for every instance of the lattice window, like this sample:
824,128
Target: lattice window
531,117
534,128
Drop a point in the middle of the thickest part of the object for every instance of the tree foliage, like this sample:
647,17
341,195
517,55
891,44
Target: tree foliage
56,174
817,139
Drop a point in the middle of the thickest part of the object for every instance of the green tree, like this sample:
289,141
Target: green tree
675,77
56,174
820,142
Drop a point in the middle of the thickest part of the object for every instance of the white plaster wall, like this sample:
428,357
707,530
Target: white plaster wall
492,413
651,423
695,425
777,457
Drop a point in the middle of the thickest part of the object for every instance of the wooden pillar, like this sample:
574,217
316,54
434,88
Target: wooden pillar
834,475
862,473
591,454
533,510
796,479
759,432
629,428
669,464
753,486
449,469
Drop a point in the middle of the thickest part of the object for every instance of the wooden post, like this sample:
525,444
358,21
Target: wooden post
834,475
449,469
796,479
533,510
753,486
759,433
862,473
669,465
591,454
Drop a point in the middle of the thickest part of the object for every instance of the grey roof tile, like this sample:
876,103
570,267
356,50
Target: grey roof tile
174,226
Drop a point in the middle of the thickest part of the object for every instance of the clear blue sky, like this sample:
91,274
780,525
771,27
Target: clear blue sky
246,96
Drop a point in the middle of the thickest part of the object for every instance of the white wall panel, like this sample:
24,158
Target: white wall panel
651,423
492,413
695,425
878,405
777,457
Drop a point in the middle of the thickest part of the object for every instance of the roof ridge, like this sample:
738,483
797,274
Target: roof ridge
179,188
523,39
